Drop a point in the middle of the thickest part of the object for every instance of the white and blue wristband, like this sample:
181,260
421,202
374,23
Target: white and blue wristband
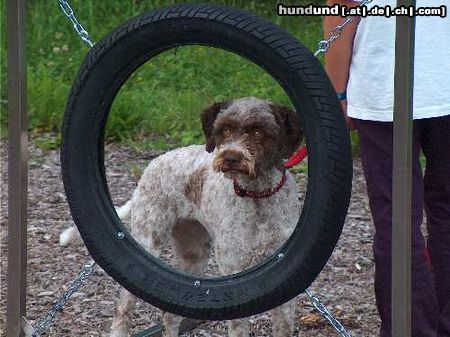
342,96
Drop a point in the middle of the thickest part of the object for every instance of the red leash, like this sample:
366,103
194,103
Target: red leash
297,157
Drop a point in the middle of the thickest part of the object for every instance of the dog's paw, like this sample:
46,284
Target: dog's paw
119,332
68,235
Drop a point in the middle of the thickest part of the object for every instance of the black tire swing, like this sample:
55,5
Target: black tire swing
105,69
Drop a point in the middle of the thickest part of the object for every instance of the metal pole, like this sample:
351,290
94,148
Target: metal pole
17,167
402,174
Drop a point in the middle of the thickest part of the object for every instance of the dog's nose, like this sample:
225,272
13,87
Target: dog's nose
232,158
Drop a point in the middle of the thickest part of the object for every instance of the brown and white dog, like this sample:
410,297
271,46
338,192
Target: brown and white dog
232,199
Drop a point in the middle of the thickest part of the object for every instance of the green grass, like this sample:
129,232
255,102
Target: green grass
163,98
204,75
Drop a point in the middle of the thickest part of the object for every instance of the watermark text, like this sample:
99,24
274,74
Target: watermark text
363,11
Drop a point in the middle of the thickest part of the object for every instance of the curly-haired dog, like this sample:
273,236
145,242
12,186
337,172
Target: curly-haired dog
233,197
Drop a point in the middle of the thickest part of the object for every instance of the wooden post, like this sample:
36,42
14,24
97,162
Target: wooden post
402,174
17,167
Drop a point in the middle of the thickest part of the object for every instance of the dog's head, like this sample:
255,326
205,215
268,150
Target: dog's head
250,135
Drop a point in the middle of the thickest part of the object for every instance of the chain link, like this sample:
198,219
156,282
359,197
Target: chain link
45,323
323,47
336,33
340,329
82,33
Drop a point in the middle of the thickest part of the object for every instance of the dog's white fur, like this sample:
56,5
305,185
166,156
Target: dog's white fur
183,200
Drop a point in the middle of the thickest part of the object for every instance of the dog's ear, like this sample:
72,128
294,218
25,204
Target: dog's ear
291,128
208,117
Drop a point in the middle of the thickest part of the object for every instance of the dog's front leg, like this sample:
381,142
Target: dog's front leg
283,319
171,324
121,321
239,328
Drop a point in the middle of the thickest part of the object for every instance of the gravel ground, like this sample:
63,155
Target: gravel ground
345,285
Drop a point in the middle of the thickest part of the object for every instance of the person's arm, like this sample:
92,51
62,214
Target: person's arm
338,57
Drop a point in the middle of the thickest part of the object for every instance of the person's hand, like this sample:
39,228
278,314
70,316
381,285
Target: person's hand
350,123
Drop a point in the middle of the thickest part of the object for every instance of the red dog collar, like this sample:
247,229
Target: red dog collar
294,160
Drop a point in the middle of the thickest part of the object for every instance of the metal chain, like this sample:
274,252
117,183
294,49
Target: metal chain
84,35
323,47
336,33
45,323
327,314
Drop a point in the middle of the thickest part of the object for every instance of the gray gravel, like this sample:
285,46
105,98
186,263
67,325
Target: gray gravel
345,285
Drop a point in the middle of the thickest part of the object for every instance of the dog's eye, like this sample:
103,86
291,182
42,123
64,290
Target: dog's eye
257,133
227,131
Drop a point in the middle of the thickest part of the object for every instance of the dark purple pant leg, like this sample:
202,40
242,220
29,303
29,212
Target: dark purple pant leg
436,147
376,140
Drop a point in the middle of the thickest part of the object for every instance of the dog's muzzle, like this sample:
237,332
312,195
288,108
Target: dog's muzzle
232,162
